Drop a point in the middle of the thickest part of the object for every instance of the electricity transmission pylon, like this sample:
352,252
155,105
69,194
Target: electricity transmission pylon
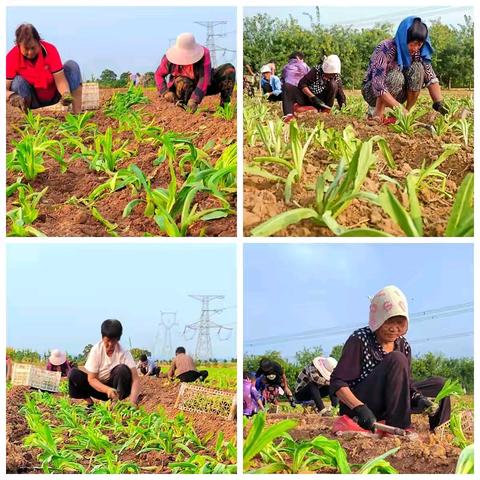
168,321
203,350
210,42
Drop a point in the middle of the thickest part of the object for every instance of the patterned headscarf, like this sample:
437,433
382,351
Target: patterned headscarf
388,302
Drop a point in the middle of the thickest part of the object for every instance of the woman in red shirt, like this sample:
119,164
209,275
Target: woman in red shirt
36,76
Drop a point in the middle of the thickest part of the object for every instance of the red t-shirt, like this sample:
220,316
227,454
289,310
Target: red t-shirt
39,72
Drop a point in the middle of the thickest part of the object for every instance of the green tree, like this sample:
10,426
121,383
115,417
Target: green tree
304,357
149,79
336,352
124,79
107,78
138,352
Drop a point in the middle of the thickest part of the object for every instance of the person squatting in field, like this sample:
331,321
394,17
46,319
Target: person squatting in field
373,378
399,68
111,372
252,400
313,383
57,362
270,85
295,69
183,368
270,379
185,75
147,367
36,76
318,88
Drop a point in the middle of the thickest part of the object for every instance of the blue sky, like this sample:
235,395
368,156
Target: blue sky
364,17
121,38
58,294
289,288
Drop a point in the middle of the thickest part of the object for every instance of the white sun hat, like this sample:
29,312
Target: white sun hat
266,69
186,50
325,366
332,64
389,302
57,357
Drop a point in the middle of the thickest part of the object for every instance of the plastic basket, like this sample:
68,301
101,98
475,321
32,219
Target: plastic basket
90,96
35,377
197,399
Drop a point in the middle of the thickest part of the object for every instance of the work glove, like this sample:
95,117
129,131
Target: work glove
440,108
192,106
365,417
15,100
170,97
292,401
318,104
66,99
420,403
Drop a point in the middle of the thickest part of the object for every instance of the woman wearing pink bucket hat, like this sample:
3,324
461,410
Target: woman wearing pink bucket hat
373,378
57,362
190,75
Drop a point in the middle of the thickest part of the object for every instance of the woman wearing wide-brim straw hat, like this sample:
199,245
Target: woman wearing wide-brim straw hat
57,362
373,378
190,74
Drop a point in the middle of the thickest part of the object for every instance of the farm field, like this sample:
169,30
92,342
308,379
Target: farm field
138,166
326,175
49,433
304,443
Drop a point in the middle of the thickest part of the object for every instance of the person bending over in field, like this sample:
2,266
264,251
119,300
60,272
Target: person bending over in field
270,85
313,383
183,368
36,76
191,76
271,377
110,371
147,367
252,400
373,378
318,88
295,69
57,362
399,68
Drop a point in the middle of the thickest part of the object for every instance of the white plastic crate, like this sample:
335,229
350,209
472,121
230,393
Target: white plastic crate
90,96
35,377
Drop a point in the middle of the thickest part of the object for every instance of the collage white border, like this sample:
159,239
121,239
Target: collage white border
240,240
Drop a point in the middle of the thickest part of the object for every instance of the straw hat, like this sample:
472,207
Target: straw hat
325,366
57,357
185,51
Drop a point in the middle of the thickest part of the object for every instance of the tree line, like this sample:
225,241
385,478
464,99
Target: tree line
109,79
267,38
423,366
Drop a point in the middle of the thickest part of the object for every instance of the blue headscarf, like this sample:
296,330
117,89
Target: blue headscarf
404,58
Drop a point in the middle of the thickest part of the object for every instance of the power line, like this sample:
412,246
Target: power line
438,313
210,42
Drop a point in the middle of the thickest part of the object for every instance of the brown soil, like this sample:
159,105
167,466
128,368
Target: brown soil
263,198
156,393
421,453
60,219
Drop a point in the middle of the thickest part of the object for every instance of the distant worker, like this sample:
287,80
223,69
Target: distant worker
191,76
271,376
295,69
313,383
132,77
36,76
399,68
57,362
252,400
9,368
270,85
183,368
111,372
318,88
147,367
138,80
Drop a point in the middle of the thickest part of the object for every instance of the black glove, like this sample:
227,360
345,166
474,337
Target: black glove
292,401
317,103
365,417
440,107
420,403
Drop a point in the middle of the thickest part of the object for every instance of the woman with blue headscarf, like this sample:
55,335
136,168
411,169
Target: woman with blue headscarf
399,68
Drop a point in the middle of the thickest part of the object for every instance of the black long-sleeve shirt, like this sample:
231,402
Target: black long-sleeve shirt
316,83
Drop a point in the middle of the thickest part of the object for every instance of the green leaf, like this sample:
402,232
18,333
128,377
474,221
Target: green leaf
283,220
374,463
130,206
460,223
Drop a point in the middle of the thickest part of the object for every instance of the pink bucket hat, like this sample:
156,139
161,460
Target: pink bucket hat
57,357
185,51
388,302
